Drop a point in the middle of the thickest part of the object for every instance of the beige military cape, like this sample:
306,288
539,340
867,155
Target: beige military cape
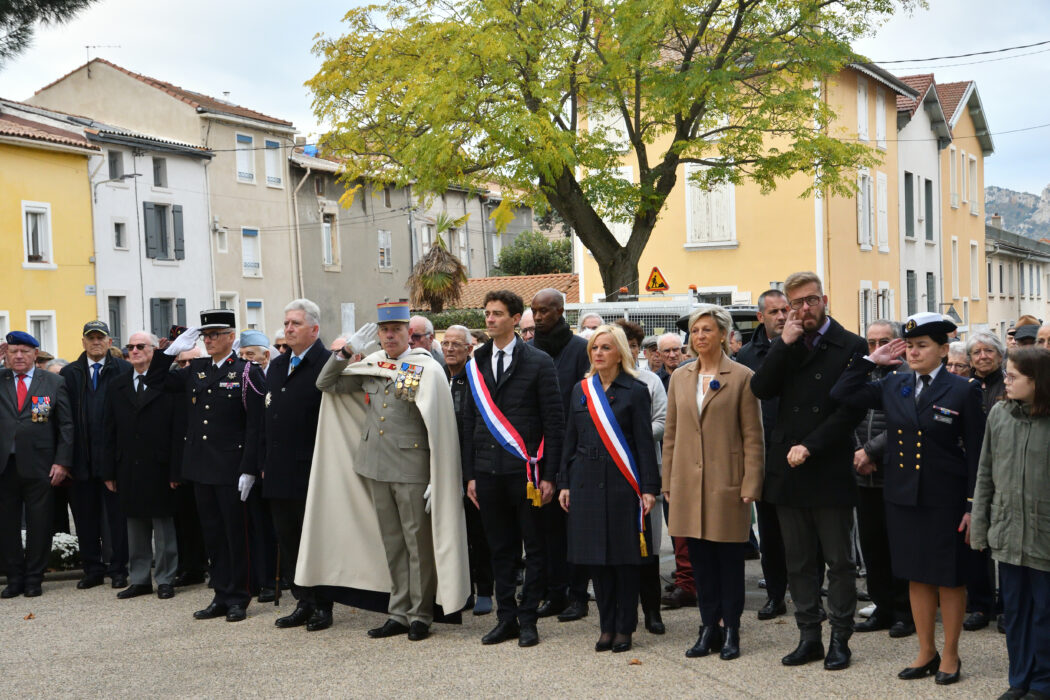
341,545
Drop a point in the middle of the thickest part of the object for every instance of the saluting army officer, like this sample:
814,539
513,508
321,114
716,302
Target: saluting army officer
224,404
934,425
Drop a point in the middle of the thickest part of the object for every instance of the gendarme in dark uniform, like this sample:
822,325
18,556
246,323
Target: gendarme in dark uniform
224,405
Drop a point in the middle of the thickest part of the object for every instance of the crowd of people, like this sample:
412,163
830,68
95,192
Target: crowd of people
514,469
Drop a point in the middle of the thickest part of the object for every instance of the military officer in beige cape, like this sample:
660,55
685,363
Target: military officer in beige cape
386,480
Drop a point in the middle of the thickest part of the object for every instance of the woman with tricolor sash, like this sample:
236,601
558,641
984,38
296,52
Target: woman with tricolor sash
712,471
609,481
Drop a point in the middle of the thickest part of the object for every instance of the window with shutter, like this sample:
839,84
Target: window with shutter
974,203
149,222
883,213
177,233
953,177
251,261
865,212
180,311
710,214
116,164
975,267
955,268
862,109
963,175
253,317
385,261
931,292
163,229
928,197
913,292
245,159
909,205
274,171
880,117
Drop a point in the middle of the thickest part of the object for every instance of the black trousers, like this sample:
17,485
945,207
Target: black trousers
97,515
616,595
814,537
890,594
35,495
192,559
262,541
771,549
718,568
649,585
288,514
61,509
224,522
478,551
510,522
980,582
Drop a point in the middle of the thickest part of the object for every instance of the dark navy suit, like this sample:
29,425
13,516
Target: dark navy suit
930,464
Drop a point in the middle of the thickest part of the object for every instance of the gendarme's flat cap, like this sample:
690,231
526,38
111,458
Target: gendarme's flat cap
22,338
926,323
216,319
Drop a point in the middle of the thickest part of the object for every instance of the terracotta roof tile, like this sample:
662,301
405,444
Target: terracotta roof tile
951,94
524,286
24,128
194,99
919,83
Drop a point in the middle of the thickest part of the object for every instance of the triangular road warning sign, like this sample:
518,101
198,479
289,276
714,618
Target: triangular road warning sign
656,282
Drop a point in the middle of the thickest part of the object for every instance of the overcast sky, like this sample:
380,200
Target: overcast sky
259,52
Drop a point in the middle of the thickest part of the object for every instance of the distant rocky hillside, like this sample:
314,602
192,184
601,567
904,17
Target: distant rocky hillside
1023,213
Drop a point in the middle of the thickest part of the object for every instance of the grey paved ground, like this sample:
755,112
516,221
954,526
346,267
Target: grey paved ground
89,644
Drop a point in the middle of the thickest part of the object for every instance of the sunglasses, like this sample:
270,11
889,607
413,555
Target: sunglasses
281,347
137,346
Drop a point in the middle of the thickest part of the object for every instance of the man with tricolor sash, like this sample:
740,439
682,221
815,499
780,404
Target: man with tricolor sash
511,447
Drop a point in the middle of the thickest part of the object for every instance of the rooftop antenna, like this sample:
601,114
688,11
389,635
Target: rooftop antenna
87,53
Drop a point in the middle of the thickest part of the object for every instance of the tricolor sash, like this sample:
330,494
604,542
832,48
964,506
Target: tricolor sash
504,433
612,437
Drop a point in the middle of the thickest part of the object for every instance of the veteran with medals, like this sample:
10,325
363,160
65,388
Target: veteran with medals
935,424
390,418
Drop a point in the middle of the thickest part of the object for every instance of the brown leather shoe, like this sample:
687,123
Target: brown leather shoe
678,599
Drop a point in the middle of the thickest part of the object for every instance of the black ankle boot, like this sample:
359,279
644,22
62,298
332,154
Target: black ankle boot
731,645
710,639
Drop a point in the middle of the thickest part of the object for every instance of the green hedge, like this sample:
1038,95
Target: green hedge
471,318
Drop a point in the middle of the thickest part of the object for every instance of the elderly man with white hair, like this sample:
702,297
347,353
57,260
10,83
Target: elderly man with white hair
589,322
670,347
421,335
255,347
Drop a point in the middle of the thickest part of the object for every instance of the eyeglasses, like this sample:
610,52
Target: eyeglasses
212,335
452,345
810,301
958,365
281,347
137,346
528,330
416,337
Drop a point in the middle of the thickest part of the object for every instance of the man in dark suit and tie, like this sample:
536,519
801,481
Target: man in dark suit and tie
36,449
293,402
522,384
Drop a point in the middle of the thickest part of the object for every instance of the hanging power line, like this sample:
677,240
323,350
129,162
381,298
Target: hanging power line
970,63
965,55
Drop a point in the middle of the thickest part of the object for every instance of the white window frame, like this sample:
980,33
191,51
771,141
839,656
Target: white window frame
109,171
260,309
50,343
953,177
276,181
880,117
427,236
153,173
963,176
865,210
123,222
5,323
335,264
862,109
44,208
866,306
245,177
955,267
385,252
882,194
257,236
975,271
972,183
232,300
885,301
730,214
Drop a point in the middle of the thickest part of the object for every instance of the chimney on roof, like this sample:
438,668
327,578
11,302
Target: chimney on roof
996,221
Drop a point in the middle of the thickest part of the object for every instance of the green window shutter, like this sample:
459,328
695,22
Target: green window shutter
149,220
155,318
180,309
176,223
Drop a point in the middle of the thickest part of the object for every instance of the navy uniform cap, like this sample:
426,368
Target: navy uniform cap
22,338
926,323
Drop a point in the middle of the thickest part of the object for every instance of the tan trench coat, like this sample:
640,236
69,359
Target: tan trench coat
713,462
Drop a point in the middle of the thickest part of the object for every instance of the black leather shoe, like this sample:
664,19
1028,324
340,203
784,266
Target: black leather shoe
12,590
575,610
418,631
1013,693
928,669
943,678
975,621
135,590
772,609
1000,624
604,643
212,611
873,624
165,591
838,654
236,613
188,579
528,636
119,581
299,617
90,581
267,595
554,605
621,644
390,628
321,619
806,651
901,629
502,632
677,599
654,624
33,590
731,645
710,639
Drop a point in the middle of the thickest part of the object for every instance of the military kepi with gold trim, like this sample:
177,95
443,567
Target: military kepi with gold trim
217,319
926,323
393,312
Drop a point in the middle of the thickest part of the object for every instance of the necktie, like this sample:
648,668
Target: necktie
924,383
21,390
94,375
499,365
811,340
140,387
295,361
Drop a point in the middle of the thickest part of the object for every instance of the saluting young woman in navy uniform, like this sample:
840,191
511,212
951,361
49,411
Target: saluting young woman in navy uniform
935,424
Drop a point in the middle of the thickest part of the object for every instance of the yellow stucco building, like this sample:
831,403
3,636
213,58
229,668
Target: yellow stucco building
46,246
733,243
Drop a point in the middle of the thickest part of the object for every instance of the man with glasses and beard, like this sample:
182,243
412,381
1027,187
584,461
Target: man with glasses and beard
809,466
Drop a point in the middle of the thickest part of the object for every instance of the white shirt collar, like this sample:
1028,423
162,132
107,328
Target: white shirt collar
222,361
28,373
101,361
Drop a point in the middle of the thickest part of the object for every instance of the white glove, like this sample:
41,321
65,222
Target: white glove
244,485
427,498
187,340
364,336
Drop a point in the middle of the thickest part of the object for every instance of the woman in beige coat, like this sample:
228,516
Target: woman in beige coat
712,471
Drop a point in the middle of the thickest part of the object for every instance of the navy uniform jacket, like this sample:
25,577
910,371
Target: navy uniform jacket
223,430
932,447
